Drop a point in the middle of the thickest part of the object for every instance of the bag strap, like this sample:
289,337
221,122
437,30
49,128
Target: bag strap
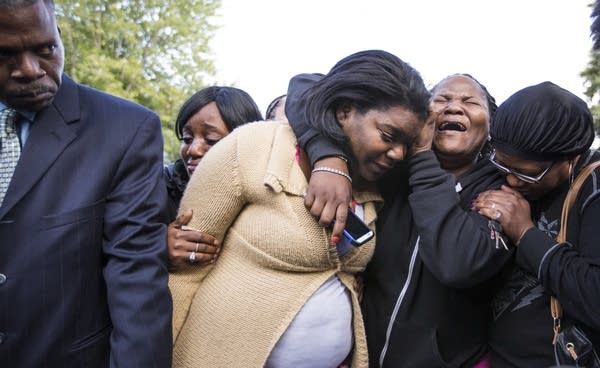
555,307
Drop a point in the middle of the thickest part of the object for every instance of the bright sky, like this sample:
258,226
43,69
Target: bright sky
506,45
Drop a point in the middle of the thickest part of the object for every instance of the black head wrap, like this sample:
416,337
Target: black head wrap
543,123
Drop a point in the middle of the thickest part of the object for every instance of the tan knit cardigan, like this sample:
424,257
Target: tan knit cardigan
247,192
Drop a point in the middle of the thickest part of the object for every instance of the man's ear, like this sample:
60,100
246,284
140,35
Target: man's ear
342,113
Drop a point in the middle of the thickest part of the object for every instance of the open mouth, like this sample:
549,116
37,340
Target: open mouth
451,126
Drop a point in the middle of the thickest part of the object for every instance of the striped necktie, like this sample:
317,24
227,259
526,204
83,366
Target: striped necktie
10,148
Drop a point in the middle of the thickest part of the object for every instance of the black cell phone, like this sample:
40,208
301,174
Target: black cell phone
356,230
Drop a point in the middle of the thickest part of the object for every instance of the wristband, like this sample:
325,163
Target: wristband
333,171
343,158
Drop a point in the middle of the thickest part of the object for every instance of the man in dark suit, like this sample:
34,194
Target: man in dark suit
83,281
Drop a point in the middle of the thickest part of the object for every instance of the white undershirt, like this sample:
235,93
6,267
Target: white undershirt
321,335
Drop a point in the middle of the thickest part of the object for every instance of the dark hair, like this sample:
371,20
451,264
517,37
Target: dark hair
595,27
543,122
235,106
270,114
491,102
366,80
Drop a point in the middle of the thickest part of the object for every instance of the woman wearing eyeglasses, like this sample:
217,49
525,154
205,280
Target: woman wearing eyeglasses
542,136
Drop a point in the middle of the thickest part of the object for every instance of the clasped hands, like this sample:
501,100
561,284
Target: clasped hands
509,208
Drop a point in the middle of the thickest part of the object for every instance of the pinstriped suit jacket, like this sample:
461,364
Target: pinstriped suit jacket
82,239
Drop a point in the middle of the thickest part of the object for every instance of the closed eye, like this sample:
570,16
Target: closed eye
386,137
473,102
211,142
6,53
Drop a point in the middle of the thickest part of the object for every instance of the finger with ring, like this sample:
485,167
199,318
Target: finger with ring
192,257
197,247
498,215
493,205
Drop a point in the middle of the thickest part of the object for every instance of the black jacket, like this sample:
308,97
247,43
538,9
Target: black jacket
521,333
426,301
176,178
429,285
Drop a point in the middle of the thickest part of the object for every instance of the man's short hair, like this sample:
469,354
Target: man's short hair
20,3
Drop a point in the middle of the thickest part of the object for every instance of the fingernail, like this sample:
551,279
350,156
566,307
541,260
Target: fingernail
335,239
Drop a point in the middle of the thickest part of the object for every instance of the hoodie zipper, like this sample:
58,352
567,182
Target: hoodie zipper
399,301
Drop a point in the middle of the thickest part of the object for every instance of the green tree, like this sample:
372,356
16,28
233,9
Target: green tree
591,76
154,52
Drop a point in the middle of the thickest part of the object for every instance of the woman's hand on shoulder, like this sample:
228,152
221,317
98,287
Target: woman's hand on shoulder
187,246
329,195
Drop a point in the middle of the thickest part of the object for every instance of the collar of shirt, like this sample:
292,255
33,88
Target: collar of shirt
27,115
25,123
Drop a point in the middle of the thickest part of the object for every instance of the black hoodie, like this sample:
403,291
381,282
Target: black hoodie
428,286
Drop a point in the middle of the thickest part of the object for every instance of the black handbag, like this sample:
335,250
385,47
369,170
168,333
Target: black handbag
572,348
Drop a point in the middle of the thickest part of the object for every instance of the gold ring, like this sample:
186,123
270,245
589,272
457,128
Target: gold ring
197,247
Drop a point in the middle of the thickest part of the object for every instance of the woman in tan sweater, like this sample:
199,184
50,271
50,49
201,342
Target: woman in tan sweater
281,293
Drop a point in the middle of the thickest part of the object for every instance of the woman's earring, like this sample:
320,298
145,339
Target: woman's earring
571,173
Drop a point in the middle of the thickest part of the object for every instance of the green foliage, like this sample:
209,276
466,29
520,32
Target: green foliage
153,52
591,76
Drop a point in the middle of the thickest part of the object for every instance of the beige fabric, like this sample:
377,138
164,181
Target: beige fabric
247,192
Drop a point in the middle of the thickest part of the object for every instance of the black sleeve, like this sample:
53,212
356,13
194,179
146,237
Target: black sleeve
455,243
570,271
316,146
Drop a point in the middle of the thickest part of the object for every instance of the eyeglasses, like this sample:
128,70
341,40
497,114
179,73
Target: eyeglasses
526,178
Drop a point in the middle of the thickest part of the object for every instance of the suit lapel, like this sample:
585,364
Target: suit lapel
49,136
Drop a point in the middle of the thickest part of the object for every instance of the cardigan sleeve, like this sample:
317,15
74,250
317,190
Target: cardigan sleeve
215,195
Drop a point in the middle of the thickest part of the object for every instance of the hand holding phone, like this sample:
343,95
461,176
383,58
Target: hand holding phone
356,230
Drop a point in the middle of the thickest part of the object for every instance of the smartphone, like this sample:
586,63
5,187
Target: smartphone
356,230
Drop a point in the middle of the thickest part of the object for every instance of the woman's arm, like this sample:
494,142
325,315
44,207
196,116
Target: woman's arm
316,146
456,243
215,195
571,272
328,195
